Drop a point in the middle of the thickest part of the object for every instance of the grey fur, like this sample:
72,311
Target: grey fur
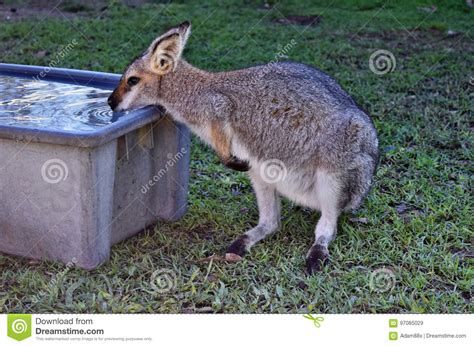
287,111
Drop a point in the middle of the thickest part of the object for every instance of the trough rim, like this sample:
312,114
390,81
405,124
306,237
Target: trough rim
102,80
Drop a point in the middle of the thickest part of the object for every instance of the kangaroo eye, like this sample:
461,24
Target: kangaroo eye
133,81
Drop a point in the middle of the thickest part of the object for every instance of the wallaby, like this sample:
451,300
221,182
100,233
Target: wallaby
291,126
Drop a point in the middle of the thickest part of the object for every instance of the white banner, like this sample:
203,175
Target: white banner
229,330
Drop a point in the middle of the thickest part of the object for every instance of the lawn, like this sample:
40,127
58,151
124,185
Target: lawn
409,247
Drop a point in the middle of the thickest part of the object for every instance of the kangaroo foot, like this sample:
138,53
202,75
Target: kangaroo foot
239,246
316,258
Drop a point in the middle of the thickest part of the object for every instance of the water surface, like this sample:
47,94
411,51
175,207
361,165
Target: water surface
53,105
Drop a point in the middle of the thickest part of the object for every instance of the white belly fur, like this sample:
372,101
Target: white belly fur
303,189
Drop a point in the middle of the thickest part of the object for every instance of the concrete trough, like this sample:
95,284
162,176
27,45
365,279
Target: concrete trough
69,196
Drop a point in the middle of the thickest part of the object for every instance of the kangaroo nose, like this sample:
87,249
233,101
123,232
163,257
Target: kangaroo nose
111,102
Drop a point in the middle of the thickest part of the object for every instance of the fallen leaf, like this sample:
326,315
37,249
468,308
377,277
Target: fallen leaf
452,33
229,257
211,278
41,54
363,220
204,310
232,257
429,9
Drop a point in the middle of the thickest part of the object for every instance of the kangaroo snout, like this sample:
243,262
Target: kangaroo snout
112,101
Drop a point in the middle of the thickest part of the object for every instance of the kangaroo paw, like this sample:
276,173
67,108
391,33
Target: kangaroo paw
237,164
239,246
317,257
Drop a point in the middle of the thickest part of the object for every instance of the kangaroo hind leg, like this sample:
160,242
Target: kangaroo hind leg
328,195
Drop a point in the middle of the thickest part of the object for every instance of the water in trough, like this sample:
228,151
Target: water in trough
53,105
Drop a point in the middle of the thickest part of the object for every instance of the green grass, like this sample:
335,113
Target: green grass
418,215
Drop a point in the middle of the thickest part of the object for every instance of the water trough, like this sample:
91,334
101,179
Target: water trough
76,179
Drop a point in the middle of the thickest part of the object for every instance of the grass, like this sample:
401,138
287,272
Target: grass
416,223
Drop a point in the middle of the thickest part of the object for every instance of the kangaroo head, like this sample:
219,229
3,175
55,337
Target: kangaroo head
140,83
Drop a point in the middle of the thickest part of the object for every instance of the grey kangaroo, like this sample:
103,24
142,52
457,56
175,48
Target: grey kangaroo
291,126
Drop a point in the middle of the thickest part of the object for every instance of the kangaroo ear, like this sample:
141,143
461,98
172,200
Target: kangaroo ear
166,50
